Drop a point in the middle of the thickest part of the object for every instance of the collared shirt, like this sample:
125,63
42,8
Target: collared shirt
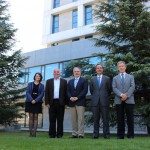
77,78
56,88
123,74
76,81
100,76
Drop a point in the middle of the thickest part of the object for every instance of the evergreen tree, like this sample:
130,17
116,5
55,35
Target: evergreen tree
11,63
87,68
124,29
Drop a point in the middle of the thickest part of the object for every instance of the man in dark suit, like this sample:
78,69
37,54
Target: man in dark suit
100,88
76,90
123,86
55,100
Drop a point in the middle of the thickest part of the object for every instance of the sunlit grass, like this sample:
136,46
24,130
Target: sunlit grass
20,141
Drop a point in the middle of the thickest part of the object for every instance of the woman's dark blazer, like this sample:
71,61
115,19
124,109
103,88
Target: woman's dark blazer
29,92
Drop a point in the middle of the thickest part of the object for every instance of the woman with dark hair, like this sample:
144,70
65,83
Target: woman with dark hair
33,104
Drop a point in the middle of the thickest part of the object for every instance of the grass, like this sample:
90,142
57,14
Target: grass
20,141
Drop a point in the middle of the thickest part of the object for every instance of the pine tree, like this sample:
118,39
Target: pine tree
86,67
124,29
11,63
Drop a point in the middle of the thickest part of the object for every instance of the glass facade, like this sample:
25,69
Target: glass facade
61,69
94,60
43,72
74,19
49,70
32,72
88,15
56,3
55,27
64,72
22,79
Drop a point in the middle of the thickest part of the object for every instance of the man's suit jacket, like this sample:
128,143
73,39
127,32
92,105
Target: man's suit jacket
100,94
29,92
80,91
119,88
49,92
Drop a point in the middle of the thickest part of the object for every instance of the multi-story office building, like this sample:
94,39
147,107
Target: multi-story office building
66,21
68,26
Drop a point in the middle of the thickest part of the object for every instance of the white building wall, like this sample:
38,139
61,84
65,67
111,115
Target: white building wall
65,21
64,2
81,15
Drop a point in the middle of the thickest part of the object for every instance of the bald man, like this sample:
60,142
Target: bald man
55,101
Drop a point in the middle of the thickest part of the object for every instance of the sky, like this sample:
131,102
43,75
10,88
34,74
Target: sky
27,17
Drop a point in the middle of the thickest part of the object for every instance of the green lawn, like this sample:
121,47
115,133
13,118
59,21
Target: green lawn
20,141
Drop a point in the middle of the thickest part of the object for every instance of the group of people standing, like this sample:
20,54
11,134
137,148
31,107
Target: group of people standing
59,93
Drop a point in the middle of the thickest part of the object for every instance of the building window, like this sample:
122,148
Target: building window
65,72
43,72
54,44
32,72
22,79
61,69
94,60
55,24
88,15
74,18
27,75
56,3
74,0
97,60
49,70
89,37
77,39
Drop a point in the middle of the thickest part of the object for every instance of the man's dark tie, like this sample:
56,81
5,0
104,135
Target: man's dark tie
122,78
99,81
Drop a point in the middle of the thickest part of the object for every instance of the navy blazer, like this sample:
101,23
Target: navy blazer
80,91
29,92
